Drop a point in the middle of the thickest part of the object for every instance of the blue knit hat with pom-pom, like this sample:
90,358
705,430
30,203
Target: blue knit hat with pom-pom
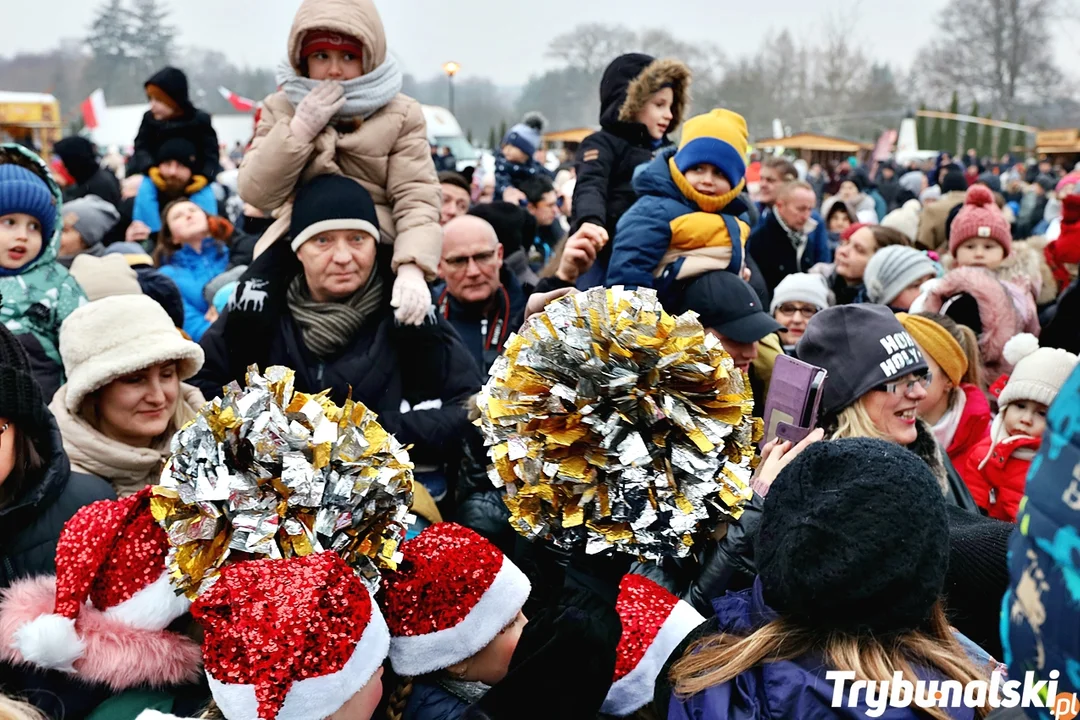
21,191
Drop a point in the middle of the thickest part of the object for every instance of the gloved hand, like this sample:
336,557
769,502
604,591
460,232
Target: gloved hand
316,109
411,297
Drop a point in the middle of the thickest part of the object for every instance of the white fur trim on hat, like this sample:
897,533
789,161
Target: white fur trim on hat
634,690
152,608
156,715
316,697
327,225
422,654
115,336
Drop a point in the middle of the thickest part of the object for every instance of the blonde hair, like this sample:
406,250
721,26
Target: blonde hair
854,421
11,709
969,343
721,658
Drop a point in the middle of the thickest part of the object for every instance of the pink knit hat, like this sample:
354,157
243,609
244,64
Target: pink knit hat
980,218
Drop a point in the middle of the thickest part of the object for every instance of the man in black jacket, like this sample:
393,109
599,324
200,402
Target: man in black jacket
171,115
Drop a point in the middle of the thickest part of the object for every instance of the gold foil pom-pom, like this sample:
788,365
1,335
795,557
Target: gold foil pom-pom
613,424
266,471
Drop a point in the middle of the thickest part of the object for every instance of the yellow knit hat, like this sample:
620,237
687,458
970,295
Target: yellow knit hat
718,137
938,343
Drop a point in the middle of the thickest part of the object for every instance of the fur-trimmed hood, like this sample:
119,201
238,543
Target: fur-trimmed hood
630,80
117,655
357,18
999,317
1026,267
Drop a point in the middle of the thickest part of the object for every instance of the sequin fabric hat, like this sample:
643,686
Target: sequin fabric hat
290,639
451,596
654,622
104,615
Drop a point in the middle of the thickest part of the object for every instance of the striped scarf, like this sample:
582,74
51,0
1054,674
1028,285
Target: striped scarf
328,327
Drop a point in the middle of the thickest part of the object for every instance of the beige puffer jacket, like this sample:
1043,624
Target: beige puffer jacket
388,154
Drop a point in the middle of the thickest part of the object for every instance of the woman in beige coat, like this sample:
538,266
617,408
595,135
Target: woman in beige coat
124,399
340,111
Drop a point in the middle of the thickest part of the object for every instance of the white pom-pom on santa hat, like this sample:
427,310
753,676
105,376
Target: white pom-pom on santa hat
452,595
1019,347
654,622
112,554
50,641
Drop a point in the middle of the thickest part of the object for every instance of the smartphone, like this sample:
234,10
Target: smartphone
791,409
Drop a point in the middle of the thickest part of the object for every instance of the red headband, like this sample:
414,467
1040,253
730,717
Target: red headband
852,229
317,40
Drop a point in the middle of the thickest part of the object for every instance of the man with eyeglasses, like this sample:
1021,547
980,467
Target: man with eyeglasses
482,300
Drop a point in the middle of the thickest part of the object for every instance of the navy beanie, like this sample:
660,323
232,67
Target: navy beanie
21,191
524,137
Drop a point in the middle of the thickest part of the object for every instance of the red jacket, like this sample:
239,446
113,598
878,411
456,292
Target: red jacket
999,485
974,427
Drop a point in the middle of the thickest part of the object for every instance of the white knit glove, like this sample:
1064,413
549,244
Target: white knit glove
411,296
316,109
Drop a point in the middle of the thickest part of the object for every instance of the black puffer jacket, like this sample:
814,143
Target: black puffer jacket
383,365
606,159
192,125
81,161
31,524
721,565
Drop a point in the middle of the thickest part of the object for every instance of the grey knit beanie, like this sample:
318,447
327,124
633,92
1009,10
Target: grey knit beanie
892,269
92,217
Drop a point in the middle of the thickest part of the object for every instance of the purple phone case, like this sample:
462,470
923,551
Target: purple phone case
789,394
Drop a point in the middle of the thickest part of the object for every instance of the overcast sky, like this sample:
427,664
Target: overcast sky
502,39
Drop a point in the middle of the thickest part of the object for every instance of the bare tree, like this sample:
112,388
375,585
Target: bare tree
997,50
590,47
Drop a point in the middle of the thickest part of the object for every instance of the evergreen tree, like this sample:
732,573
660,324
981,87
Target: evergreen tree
491,138
1004,142
111,66
986,139
972,131
951,132
152,37
922,128
935,141
502,134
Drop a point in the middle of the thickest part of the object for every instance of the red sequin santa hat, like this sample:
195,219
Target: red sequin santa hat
654,622
289,639
450,597
104,615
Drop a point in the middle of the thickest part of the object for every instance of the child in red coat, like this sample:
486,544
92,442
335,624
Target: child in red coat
998,467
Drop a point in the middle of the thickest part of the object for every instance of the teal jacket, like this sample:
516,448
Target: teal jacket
38,298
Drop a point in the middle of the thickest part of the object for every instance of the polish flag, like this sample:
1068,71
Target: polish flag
240,103
93,109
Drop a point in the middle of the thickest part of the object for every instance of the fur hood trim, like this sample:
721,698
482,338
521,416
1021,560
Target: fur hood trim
658,74
117,655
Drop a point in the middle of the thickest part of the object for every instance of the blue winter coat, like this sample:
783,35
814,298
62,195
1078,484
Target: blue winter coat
148,208
788,689
429,701
644,233
1039,612
191,270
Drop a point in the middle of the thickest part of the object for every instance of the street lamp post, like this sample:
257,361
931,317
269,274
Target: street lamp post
451,69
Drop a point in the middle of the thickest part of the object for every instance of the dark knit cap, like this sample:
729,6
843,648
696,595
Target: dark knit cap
861,347
513,224
21,400
978,576
954,181
332,202
854,537
450,177
180,150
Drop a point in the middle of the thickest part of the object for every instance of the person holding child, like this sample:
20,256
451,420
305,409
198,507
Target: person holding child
685,221
340,111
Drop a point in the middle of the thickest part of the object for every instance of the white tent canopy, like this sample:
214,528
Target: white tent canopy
121,124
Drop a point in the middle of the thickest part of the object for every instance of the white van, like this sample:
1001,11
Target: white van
443,130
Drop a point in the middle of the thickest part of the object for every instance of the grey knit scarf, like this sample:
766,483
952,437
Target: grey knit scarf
363,95
328,327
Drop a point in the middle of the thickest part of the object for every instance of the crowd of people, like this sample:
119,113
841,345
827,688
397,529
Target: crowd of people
925,527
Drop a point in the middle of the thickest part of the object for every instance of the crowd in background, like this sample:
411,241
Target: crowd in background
941,298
